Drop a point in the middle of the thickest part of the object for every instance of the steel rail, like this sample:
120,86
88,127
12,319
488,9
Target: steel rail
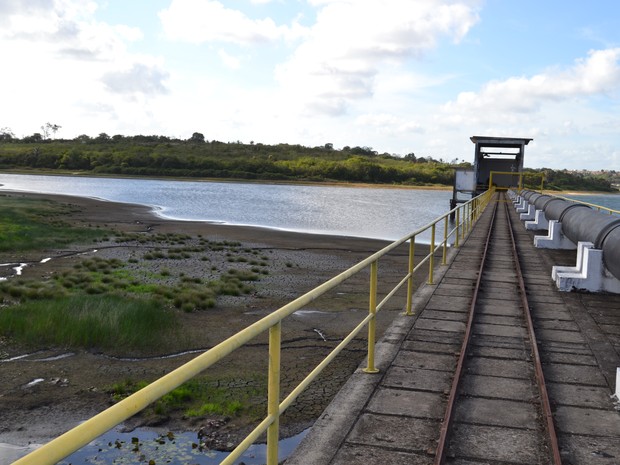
440,453
540,377
593,205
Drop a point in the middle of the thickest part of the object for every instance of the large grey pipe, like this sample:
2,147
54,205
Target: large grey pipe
611,251
581,223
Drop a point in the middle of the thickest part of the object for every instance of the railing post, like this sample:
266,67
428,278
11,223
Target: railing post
410,273
372,309
273,395
458,227
431,261
444,259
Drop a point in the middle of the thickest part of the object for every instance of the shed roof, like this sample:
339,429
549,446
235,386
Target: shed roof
491,141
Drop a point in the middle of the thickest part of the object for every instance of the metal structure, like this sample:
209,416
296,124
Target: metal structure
595,234
71,441
498,162
499,154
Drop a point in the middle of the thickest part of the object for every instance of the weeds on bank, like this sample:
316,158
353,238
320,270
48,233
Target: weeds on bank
83,306
104,300
204,396
88,321
31,224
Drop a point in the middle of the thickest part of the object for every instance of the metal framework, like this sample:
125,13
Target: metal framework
499,154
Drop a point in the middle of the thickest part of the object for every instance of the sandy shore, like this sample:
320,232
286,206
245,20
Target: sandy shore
75,383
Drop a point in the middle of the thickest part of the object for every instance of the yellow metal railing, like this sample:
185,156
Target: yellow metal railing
73,440
598,207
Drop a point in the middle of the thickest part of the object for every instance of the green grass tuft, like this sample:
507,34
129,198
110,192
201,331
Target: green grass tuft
103,321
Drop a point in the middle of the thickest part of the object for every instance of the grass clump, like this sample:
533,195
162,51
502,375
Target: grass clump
32,224
105,321
204,396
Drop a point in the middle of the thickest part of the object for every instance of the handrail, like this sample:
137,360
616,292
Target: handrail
71,441
593,205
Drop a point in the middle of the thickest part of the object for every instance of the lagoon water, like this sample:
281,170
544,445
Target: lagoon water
374,212
380,213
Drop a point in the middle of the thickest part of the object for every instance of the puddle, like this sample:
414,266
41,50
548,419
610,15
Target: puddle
16,268
45,359
309,312
34,382
146,446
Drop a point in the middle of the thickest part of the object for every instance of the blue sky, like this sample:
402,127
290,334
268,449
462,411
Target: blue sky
399,76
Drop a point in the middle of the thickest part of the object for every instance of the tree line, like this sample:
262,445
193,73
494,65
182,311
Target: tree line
197,157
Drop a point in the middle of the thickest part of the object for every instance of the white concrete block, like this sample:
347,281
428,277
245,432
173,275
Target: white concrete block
555,238
589,273
539,222
529,214
522,207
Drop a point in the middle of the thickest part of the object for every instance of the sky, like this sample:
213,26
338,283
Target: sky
398,76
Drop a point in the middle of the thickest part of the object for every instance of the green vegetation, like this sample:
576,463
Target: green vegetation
198,158
30,224
161,156
107,303
203,396
86,321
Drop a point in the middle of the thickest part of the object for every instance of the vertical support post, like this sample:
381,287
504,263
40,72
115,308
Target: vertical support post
410,280
372,309
444,259
431,260
458,227
273,395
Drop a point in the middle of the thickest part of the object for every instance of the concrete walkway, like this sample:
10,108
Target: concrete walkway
394,416
373,419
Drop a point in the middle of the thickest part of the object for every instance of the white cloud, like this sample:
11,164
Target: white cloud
352,40
199,21
599,73
70,65
229,60
139,79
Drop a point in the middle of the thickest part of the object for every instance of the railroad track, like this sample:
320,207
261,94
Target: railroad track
439,399
498,409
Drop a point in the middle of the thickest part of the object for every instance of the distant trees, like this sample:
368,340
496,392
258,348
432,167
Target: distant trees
49,128
197,138
6,135
153,155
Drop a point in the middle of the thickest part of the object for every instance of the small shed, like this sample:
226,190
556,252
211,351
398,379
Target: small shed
499,154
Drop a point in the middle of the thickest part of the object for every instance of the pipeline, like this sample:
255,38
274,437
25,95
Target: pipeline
580,223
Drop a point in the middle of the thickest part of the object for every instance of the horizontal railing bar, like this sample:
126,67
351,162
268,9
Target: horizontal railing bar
599,207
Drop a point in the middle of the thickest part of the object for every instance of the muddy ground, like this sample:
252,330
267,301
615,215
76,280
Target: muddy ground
47,390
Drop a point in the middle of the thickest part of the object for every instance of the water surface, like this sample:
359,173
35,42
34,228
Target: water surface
381,213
